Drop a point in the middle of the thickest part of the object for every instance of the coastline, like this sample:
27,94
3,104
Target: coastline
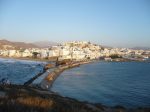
48,80
54,59
15,98
30,59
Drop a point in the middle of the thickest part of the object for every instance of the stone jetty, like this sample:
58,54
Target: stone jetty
47,82
46,67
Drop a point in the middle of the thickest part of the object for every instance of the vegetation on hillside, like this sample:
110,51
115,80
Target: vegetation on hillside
16,98
114,56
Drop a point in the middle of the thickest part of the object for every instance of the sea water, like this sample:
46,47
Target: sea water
109,83
19,71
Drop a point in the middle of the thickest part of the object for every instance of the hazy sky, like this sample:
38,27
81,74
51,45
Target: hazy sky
107,22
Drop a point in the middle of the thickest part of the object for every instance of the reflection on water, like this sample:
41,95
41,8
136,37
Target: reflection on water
110,83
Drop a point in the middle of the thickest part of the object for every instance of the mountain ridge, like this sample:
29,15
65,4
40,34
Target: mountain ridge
15,45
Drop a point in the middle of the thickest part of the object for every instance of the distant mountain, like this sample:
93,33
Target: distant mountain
141,48
45,44
15,45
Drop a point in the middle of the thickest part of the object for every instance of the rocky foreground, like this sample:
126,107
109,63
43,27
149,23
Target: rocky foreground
16,98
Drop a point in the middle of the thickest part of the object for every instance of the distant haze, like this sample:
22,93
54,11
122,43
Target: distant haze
116,23
45,44
39,44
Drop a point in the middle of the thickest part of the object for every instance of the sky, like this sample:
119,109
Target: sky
116,23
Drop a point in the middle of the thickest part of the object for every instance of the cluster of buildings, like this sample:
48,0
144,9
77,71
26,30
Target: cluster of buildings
75,50
125,53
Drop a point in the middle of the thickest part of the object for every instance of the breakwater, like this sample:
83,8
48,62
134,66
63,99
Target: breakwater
45,68
47,82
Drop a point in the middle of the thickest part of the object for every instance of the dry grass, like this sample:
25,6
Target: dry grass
35,102
31,100
28,99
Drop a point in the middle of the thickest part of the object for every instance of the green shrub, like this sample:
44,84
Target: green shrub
113,56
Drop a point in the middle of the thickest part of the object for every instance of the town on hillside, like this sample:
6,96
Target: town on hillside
75,50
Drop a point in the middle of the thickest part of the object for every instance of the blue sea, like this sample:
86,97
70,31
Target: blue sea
19,71
109,83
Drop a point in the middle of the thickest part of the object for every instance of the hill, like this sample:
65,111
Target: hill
5,44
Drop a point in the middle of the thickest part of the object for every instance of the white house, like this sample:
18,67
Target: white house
12,53
26,53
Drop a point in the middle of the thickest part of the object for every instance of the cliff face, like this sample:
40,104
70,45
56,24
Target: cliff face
15,98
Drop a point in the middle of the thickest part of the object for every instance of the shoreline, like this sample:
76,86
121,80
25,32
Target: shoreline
54,60
18,97
48,81
52,76
28,59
